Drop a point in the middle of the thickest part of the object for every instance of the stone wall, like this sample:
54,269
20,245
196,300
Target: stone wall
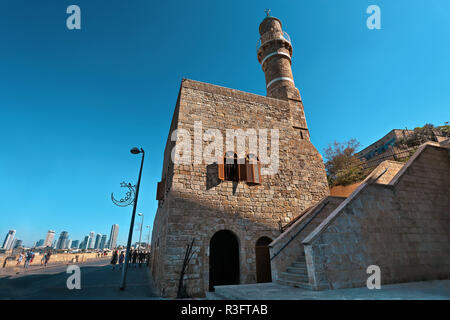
403,227
197,204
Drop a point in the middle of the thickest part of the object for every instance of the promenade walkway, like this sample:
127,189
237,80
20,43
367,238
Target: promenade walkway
98,281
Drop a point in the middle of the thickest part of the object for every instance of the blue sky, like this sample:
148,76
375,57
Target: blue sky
72,103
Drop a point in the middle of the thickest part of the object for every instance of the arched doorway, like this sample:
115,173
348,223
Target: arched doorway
223,259
263,271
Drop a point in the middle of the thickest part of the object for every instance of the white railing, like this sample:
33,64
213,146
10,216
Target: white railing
262,40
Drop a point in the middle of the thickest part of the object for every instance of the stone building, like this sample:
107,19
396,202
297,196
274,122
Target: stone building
383,147
233,210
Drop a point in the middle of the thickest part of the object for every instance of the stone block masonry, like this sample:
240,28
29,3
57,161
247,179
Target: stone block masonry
197,205
403,227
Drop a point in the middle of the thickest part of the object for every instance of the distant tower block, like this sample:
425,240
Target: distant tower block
275,56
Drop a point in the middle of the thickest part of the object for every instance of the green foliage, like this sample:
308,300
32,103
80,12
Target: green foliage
423,134
342,167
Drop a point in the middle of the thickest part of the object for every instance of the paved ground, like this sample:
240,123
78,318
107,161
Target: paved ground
426,290
98,281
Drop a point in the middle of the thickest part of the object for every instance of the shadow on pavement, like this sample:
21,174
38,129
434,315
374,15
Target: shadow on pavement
97,282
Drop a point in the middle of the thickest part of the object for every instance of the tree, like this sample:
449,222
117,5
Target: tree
342,166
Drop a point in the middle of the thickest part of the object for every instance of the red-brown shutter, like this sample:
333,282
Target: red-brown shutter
258,167
242,170
161,189
221,169
249,170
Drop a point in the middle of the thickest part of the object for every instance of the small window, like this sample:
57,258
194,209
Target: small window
245,170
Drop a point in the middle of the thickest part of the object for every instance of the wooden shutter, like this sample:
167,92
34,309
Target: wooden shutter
160,190
221,169
242,171
258,179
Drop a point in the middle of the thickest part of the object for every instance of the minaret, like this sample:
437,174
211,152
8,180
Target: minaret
275,56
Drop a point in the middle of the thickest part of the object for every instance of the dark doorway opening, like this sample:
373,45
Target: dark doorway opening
223,259
263,271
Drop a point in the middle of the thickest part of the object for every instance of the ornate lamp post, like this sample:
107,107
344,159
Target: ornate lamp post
125,202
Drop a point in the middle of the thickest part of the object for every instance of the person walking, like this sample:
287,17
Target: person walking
135,255
44,256
28,257
121,259
148,258
130,256
47,258
141,258
114,259
19,260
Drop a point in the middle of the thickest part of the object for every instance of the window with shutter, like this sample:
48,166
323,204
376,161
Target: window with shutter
231,169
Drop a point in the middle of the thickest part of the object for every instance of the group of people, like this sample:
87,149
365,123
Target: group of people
135,258
29,257
102,254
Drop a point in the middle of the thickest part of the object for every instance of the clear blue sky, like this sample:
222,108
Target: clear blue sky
73,102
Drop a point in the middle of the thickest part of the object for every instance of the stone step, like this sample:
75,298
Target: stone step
294,277
299,270
300,259
295,284
299,265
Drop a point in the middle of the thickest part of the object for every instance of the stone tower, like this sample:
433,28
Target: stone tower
233,221
275,56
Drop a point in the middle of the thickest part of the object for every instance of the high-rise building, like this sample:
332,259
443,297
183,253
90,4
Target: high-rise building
49,238
98,239
68,244
40,243
84,244
113,236
91,240
75,244
103,242
62,241
9,239
17,244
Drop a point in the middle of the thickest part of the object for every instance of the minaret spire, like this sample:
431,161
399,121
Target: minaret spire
275,56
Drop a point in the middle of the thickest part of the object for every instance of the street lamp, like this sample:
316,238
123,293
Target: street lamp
130,233
140,233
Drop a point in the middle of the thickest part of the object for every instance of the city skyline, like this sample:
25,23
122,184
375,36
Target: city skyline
64,240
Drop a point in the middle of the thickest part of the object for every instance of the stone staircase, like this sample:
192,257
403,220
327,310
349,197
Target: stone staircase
296,275
290,243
